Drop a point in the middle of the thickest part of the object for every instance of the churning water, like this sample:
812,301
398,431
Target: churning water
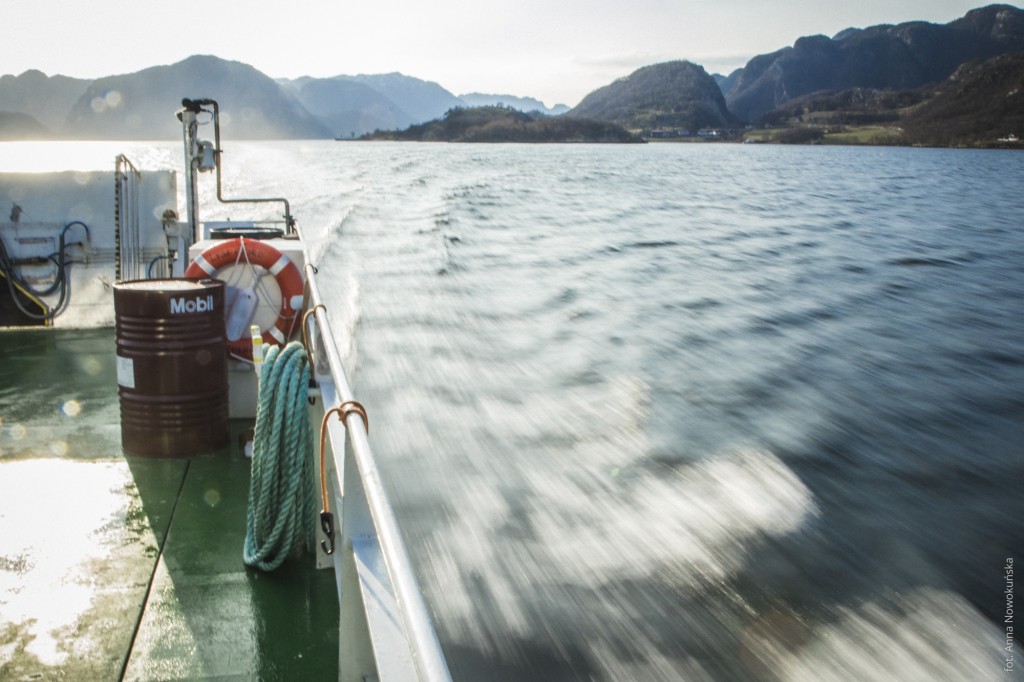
692,412
684,411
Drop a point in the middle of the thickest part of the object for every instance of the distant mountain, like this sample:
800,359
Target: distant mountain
141,105
853,107
349,108
675,94
981,104
15,125
421,100
727,83
905,56
354,105
525,104
46,99
504,124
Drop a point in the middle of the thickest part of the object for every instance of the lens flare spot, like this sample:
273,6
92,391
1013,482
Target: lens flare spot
59,448
18,431
212,497
71,408
111,99
91,365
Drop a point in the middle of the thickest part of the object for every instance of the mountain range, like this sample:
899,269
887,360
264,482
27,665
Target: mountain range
678,94
903,56
255,106
981,104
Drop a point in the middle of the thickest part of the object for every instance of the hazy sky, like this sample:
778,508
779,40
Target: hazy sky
555,50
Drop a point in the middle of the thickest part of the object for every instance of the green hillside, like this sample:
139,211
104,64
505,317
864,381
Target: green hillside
503,124
980,105
674,94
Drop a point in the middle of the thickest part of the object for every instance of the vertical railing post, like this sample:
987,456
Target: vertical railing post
126,220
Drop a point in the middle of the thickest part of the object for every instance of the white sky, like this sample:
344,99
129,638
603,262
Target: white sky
555,50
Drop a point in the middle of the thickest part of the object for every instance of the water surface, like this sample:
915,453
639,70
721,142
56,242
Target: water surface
701,412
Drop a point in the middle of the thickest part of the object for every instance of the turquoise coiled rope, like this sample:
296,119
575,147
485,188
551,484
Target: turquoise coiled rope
280,495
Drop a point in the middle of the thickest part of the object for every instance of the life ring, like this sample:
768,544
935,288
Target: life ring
289,279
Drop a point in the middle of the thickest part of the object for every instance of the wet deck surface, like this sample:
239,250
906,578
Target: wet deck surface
115,567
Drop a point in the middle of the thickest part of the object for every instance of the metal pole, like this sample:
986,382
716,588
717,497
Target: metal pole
189,129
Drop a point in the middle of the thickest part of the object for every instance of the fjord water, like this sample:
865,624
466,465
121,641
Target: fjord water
691,412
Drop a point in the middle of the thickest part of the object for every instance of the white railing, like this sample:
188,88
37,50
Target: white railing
126,216
386,632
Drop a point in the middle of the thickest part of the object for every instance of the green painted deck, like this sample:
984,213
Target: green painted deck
117,567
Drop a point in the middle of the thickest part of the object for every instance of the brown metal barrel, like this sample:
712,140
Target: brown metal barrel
172,368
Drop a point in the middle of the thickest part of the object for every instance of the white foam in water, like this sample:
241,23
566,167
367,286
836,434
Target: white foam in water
585,525
544,551
698,524
925,635
700,516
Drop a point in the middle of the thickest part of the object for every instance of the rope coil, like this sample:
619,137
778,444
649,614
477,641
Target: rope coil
280,499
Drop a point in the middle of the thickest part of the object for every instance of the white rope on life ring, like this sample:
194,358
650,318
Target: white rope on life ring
253,251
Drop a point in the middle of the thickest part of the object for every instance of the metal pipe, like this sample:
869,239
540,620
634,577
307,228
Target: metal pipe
196,105
187,116
423,642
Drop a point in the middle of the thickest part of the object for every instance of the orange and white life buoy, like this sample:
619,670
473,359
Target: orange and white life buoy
255,252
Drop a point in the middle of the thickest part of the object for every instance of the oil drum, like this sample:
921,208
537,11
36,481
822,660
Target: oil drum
171,366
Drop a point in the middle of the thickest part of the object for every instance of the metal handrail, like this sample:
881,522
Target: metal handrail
421,636
126,219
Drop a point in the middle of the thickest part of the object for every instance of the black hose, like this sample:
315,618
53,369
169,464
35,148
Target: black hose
14,282
149,268
60,280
